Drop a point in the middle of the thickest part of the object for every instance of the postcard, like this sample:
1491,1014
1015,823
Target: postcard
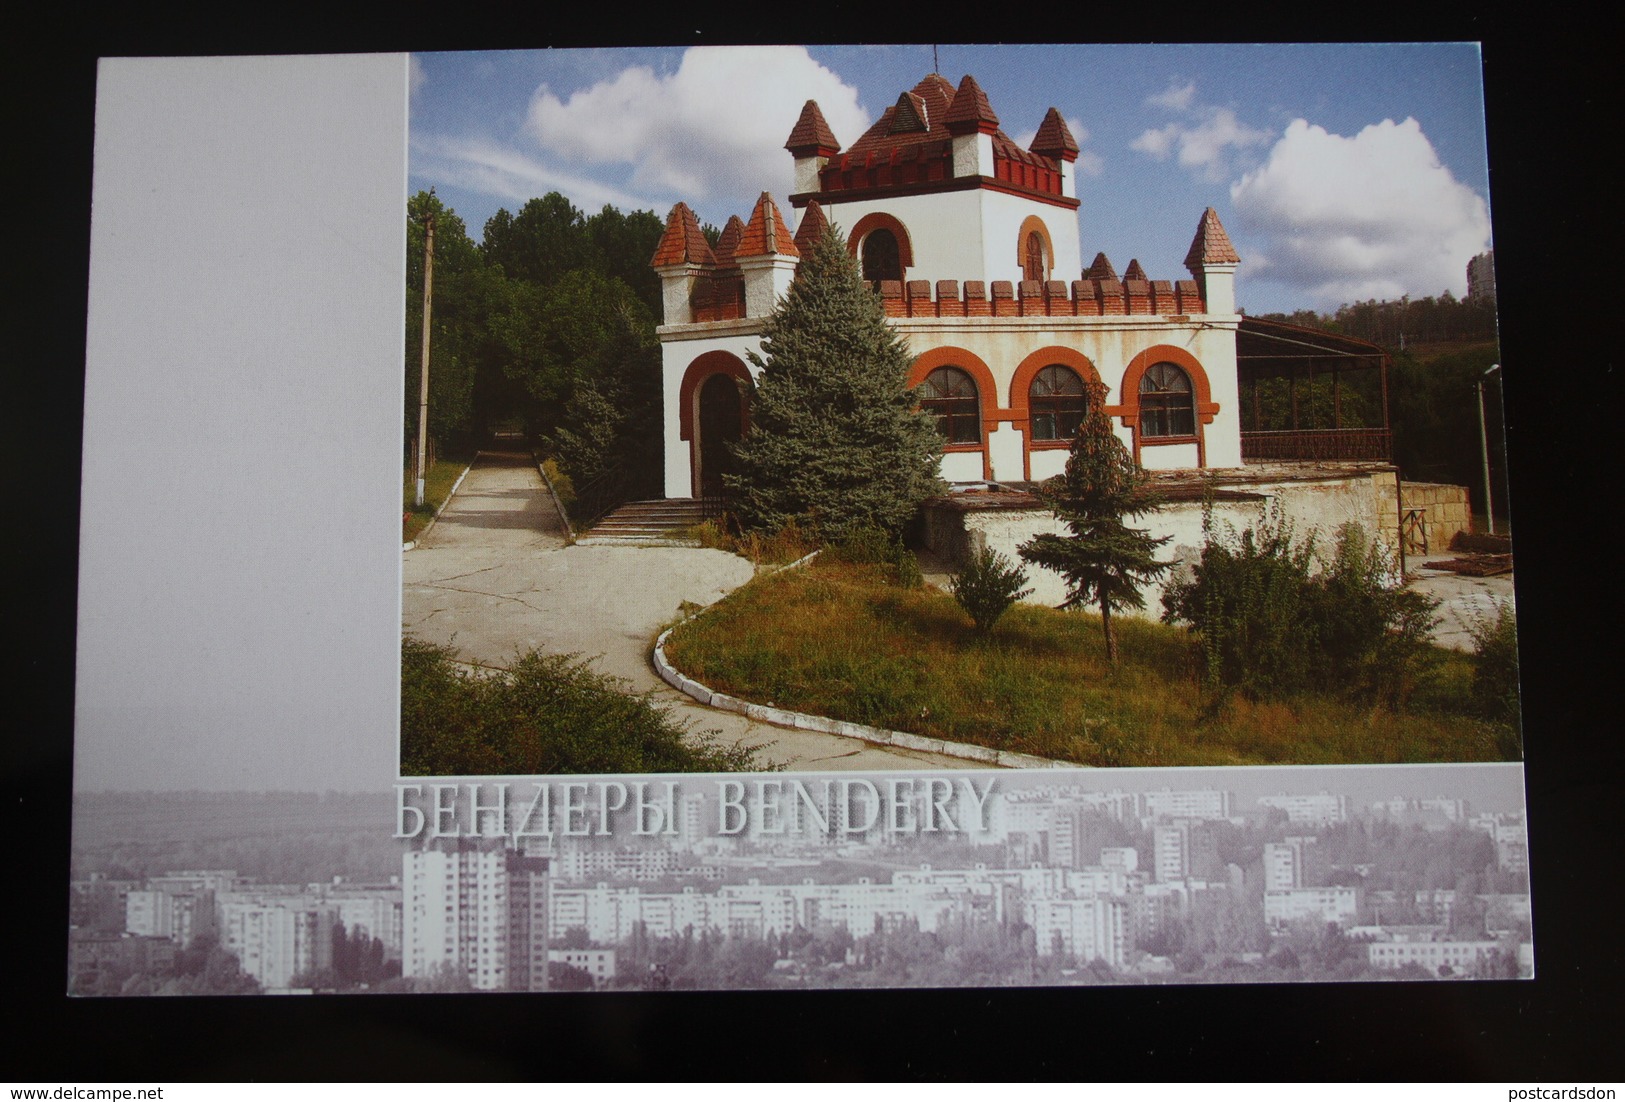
795,518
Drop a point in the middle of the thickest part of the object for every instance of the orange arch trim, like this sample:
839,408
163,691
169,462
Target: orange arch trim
1022,384
987,393
703,367
1206,407
880,221
1035,224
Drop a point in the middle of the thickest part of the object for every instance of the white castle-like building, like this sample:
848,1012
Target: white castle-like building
973,245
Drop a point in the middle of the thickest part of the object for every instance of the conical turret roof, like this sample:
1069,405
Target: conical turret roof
812,135
765,233
812,227
1211,244
682,243
1054,139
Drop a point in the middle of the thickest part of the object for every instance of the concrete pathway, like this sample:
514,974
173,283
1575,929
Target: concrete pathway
495,577
1464,601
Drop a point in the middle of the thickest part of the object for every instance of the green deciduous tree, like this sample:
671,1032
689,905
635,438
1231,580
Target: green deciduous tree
1104,561
837,440
609,438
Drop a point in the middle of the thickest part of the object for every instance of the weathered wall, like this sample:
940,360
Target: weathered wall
1316,507
1447,510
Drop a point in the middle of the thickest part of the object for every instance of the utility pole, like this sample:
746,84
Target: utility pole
1484,446
423,392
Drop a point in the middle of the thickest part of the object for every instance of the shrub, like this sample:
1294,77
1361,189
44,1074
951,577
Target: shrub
1495,670
988,586
1375,635
1270,624
545,714
868,545
1244,599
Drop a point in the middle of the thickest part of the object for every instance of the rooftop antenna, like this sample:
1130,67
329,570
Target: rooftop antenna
935,68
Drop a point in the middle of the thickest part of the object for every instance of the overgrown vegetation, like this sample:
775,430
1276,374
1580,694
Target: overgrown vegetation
544,714
839,639
836,440
1495,675
988,586
1104,560
871,546
1272,617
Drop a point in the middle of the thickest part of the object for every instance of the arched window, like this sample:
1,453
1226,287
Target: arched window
1167,402
881,259
1057,403
950,394
1033,265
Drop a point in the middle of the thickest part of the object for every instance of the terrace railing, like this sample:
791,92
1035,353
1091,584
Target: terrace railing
1318,445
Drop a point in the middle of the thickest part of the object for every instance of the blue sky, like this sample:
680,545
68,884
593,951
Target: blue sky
1342,172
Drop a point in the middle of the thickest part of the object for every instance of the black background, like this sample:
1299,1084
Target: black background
1552,119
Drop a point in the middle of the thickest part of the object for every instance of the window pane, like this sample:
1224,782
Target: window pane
1167,402
1057,403
950,394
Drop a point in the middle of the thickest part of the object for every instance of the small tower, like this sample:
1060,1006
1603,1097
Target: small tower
972,123
1055,141
1212,260
767,256
682,257
812,143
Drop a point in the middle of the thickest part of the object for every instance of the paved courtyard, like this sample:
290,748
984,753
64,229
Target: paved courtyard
495,577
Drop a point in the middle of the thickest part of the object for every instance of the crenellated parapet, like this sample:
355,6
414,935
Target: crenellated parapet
1003,298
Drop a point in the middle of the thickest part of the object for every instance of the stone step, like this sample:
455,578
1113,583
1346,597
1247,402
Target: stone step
647,523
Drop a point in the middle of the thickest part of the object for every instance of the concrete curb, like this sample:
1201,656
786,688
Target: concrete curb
427,528
878,736
569,528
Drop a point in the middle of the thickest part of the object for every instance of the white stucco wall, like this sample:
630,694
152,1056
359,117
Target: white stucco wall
1003,215
1315,508
967,235
1110,343
737,338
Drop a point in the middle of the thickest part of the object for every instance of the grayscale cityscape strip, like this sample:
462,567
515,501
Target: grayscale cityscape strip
1341,873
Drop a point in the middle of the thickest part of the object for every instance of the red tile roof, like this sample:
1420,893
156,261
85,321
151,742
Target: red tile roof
682,243
908,115
946,112
1211,244
970,109
812,227
766,234
812,134
1053,139
728,243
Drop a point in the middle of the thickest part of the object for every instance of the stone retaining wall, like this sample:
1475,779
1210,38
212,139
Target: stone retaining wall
1447,508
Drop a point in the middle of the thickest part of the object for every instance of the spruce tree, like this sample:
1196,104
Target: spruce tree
1104,561
836,441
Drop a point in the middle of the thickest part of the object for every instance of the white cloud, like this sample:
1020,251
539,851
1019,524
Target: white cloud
1372,216
1205,145
491,169
712,130
1089,162
1177,97
415,76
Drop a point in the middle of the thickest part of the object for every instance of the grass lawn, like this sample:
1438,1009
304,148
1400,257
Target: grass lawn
437,484
834,639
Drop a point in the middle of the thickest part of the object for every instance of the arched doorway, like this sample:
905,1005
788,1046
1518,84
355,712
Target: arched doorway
721,424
